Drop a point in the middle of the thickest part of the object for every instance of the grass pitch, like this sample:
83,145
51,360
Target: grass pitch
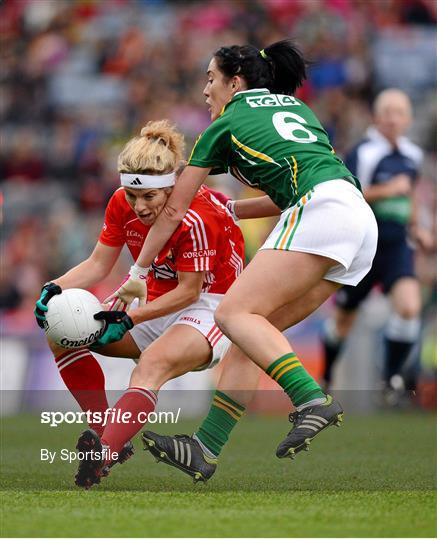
376,476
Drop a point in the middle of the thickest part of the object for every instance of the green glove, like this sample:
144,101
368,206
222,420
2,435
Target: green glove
117,323
48,291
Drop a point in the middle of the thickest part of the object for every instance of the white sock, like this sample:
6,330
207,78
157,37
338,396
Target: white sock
205,449
317,401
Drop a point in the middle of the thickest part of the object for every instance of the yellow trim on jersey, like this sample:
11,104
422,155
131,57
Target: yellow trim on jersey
294,172
252,152
195,144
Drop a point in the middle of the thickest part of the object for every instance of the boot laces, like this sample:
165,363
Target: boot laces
184,438
296,418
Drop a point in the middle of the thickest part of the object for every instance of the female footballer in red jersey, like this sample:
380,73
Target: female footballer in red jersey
174,332
326,235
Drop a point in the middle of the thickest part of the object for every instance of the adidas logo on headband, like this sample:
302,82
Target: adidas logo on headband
147,181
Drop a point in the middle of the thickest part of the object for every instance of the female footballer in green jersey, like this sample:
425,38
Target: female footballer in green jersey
326,235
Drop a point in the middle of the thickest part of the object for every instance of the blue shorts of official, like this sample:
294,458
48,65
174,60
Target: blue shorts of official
394,260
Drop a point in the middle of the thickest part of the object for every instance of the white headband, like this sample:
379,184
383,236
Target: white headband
146,181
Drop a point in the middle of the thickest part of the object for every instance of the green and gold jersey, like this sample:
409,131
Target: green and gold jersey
271,142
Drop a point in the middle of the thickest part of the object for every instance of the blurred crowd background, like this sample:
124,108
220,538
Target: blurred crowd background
80,77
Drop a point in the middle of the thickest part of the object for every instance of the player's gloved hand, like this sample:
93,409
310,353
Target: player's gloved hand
226,201
134,286
117,323
48,291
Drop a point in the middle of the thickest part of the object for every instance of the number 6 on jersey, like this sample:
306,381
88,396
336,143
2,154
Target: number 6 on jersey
287,130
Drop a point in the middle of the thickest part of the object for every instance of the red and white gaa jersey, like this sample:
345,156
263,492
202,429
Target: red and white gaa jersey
206,240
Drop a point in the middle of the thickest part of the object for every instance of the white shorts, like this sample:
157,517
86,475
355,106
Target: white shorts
199,315
332,220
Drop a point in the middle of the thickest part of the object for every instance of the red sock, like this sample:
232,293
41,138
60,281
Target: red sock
139,402
85,379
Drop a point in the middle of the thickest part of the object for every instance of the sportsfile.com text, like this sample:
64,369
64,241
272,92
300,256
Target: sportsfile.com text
111,415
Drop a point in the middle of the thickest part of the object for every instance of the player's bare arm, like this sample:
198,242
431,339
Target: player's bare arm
399,185
186,293
256,207
92,270
422,236
174,211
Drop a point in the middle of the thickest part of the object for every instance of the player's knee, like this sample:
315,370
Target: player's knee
402,329
409,310
406,298
222,318
147,379
152,371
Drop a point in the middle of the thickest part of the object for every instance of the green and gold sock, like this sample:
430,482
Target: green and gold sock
221,420
289,373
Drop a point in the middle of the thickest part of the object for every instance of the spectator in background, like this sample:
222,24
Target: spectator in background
24,162
388,164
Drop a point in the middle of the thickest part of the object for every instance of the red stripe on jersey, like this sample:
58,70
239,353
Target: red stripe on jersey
194,221
199,220
198,232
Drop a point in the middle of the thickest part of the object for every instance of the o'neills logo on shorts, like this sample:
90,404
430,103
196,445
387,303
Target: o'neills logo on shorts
201,253
71,343
190,319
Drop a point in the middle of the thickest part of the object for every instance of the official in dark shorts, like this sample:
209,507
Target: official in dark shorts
388,166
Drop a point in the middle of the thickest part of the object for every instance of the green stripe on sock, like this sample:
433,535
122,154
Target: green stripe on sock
296,382
217,426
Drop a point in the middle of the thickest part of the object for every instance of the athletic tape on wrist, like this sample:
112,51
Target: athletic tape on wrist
138,271
230,205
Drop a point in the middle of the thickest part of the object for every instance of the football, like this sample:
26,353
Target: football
69,319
